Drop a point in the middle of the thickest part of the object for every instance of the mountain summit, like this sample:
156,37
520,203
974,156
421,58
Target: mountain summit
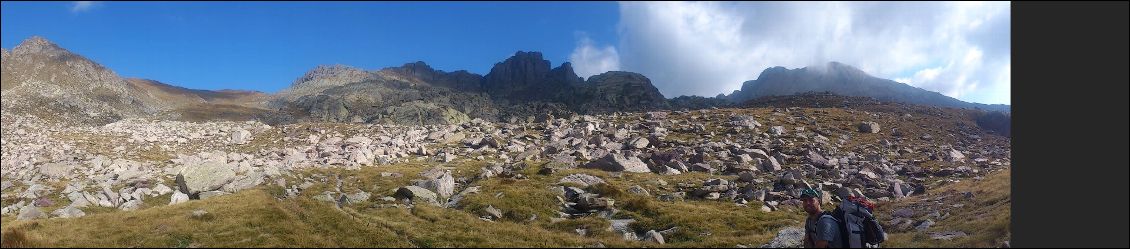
38,45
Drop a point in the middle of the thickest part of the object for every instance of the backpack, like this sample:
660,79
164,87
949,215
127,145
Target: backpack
858,228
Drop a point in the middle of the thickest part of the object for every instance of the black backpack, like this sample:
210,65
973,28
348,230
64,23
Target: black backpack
857,226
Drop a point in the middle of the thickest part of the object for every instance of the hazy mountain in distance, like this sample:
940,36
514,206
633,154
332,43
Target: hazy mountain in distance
842,79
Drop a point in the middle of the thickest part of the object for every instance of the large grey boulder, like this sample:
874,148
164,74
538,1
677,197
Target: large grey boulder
439,182
240,136
416,194
789,237
616,163
30,212
869,127
581,179
653,236
207,176
178,198
68,212
770,164
130,205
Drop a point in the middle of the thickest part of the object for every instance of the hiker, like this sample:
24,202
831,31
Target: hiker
820,231
831,229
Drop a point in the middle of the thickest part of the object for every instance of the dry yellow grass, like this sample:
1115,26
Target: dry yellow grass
986,218
255,218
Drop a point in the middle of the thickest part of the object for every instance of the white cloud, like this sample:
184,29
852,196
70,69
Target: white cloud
706,48
81,6
589,60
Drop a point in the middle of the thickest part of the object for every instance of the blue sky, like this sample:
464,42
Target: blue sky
960,49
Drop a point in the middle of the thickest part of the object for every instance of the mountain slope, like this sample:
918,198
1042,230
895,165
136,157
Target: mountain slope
40,78
413,94
845,80
203,105
180,96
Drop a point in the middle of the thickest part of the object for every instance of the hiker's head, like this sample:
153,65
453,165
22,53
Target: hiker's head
811,199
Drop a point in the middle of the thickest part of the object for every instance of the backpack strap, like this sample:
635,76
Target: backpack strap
830,216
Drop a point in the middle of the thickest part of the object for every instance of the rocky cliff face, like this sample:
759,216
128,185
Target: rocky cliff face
527,77
321,78
420,72
618,91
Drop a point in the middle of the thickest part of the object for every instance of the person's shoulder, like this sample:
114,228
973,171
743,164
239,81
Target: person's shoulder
828,220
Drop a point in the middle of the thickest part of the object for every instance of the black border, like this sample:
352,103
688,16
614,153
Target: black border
1069,183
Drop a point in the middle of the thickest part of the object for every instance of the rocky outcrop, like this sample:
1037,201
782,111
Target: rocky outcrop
526,76
420,72
618,91
391,101
323,77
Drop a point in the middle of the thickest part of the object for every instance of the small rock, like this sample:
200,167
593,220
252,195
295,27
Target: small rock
68,212
789,237
43,202
770,164
210,194
360,196
903,213
766,209
621,226
713,196
199,213
947,235
653,236
240,136
492,212
592,202
954,156
637,190
777,130
30,212
638,143
416,194
869,127
130,205
581,179
924,225
178,198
